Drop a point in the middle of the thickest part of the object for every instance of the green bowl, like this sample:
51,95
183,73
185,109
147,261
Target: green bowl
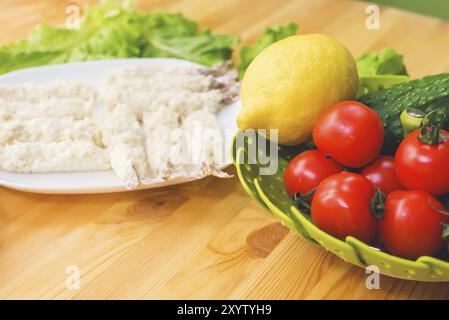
269,192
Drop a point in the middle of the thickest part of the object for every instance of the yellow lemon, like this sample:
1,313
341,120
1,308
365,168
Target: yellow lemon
291,82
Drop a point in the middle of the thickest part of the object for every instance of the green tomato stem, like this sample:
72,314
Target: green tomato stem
431,128
302,201
378,204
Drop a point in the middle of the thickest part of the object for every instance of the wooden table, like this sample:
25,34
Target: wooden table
205,239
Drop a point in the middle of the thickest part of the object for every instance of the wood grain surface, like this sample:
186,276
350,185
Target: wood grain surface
207,239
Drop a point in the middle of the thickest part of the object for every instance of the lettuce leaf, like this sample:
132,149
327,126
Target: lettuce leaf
172,35
386,61
269,36
109,31
380,69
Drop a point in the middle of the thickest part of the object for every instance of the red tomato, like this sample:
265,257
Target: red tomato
411,226
341,207
422,166
350,132
305,171
383,174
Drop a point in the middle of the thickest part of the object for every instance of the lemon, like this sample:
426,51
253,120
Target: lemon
291,82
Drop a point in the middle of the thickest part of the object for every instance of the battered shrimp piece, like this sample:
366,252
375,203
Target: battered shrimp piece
205,144
123,138
163,142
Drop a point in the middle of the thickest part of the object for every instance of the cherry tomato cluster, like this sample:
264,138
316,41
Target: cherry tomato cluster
353,190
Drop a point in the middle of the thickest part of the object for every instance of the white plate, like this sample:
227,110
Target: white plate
95,181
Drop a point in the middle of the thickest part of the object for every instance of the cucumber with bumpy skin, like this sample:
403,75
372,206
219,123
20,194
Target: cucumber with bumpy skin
426,94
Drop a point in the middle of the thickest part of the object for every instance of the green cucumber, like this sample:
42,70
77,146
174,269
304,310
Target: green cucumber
426,95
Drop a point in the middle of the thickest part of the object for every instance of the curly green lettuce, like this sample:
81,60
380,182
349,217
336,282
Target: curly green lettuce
381,69
109,31
384,62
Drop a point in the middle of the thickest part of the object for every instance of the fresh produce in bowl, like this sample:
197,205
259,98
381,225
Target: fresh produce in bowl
346,191
349,204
